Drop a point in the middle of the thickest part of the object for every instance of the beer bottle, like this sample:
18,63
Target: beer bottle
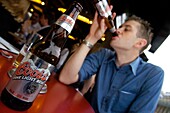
36,67
104,11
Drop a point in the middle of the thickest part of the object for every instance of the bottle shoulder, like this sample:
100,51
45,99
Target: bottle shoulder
44,31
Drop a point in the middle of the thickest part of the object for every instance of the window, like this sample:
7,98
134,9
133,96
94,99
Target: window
161,57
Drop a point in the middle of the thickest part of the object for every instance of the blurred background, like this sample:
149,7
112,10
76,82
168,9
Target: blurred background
13,13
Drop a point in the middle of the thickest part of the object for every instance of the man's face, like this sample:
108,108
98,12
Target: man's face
35,18
43,21
127,36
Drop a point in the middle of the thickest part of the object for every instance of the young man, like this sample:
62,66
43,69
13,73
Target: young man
124,82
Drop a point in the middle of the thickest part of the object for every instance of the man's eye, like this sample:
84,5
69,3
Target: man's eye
126,29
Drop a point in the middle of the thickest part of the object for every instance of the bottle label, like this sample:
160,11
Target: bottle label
107,8
66,22
101,9
28,79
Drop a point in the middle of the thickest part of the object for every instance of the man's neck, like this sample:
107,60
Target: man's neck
125,58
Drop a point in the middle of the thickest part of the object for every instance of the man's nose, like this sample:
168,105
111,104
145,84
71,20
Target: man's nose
118,31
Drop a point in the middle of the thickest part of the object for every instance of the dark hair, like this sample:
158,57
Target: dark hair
38,12
145,30
33,15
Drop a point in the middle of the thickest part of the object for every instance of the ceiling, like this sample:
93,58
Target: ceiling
157,12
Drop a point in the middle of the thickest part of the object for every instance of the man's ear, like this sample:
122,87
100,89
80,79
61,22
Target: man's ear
141,43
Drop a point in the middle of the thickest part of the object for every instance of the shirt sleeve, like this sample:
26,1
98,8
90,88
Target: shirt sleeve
91,65
146,101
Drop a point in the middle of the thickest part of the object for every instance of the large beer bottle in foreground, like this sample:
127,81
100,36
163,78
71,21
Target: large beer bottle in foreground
36,67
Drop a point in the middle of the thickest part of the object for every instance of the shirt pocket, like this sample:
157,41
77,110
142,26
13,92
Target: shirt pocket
125,99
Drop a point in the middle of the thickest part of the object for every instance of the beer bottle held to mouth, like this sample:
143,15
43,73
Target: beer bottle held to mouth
104,11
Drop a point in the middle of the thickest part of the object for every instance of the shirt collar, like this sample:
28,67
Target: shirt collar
112,57
134,65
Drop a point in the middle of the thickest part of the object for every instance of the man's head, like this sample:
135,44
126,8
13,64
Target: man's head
144,31
35,17
134,34
44,20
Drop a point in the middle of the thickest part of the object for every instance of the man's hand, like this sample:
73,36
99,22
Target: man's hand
98,28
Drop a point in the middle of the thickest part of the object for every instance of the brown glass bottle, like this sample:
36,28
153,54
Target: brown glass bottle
104,11
18,93
51,46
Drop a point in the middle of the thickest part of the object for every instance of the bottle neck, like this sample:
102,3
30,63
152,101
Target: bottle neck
73,12
67,20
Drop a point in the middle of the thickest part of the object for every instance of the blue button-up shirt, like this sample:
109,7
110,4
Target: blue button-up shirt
132,88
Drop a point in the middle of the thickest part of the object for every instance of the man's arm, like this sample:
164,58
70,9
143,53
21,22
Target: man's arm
69,73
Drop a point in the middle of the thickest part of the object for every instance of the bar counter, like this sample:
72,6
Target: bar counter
59,98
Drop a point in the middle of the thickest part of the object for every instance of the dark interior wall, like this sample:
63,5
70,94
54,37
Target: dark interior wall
7,22
161,36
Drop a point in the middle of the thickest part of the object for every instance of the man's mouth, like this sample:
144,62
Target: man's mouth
114,35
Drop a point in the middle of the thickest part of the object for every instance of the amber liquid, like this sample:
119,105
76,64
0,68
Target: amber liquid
18,60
